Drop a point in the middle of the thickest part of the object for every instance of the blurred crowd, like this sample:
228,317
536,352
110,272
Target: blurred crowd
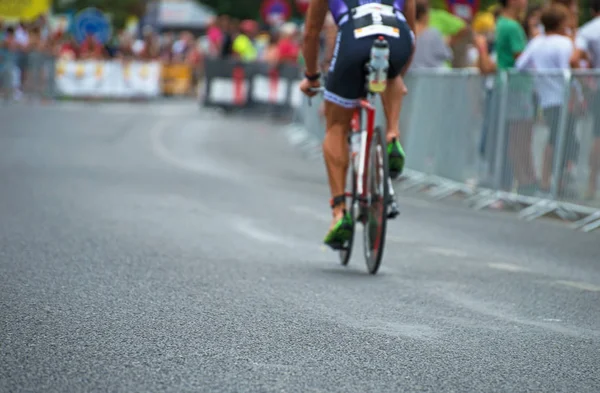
250,41
25,47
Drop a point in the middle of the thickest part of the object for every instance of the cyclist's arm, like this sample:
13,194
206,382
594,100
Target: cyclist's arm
315,18
410,12
330,32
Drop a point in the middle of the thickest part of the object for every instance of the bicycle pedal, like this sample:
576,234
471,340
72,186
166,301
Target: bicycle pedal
393,210
394,175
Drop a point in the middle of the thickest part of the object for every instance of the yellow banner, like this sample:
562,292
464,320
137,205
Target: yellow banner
23,9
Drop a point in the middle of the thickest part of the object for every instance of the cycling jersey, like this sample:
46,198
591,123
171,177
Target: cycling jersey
341,8
359,23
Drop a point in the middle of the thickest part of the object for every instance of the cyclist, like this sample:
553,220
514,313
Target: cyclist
359,23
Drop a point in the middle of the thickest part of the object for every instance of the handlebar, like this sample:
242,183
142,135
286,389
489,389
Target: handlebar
315,90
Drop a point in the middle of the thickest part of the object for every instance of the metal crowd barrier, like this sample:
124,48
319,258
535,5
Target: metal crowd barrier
231,84
529,142
39,75
26,73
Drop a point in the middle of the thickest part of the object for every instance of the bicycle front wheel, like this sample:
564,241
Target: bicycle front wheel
378,193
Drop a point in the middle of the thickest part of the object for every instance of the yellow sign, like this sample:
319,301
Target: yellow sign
126,73
176,79
99,71
23,9
144,72
60,68
79,71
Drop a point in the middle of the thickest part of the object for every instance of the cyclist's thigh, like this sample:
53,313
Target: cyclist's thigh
347,76
401,50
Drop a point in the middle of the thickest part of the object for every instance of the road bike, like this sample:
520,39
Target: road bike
371,191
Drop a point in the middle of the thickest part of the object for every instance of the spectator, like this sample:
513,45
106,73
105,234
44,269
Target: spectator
431,51
243,48
91,48
532,24
271,52
215,37
547,54
182,46
22,39
228,27
125,49
588,49
68,48
148,48
36,48
8,63
287,48
510,41
484,26
573,6
166,46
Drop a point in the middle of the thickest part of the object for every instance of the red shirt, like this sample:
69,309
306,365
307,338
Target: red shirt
288,51
91,46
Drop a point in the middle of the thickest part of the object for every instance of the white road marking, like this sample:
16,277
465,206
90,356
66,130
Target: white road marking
307,211
496,311
507,267
195,161
446,252
579,285
251,231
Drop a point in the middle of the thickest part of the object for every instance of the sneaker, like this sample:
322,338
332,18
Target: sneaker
340,234
396,158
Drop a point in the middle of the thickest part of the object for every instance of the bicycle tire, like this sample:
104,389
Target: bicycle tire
378,160
346,253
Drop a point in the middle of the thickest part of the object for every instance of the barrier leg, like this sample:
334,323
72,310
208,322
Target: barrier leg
538,210
414,181
591,227
487,201
586,221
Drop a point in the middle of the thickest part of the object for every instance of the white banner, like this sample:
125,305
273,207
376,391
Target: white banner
111,79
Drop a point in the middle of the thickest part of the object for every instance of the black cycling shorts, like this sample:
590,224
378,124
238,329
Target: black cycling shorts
346,81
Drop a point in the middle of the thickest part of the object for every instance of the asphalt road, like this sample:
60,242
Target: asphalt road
159,248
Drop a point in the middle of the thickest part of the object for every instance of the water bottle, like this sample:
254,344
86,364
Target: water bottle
378,65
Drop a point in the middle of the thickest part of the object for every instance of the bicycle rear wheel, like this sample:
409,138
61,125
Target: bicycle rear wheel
378,194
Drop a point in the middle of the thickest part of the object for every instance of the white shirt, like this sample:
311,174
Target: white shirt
138,46
588,39
21,36
548,55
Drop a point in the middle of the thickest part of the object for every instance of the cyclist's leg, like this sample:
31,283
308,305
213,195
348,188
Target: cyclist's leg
336,154
345,86
392,99
392,104
401,51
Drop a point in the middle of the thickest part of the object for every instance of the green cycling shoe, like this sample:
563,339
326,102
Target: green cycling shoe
396,158
340,234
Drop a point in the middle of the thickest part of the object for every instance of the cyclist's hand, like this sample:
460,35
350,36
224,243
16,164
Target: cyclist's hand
307,85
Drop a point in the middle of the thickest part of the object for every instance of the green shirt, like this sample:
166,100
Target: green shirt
244,47
510,41
445,22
